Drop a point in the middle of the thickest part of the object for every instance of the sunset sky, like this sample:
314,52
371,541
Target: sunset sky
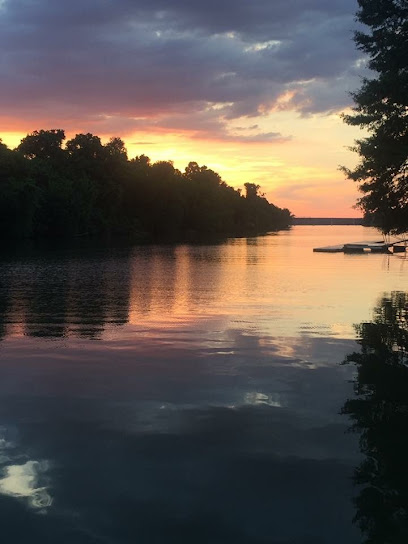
251,88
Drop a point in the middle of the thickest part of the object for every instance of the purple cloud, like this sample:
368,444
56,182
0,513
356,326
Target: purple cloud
139,64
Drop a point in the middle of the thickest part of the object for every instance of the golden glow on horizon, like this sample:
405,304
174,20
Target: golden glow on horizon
300,173
11,139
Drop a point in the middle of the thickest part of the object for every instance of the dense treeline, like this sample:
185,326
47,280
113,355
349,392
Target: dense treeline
88,188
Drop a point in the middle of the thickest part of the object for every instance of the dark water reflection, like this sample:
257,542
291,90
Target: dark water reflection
379,412
173,447
57,296
178,394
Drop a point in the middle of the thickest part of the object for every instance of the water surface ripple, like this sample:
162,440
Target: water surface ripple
186,393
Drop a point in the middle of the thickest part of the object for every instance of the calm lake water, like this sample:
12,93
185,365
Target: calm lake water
192,394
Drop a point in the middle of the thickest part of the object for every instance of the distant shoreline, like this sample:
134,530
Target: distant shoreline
327,221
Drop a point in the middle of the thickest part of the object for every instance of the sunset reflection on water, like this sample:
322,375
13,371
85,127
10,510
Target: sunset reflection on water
144,389
275,282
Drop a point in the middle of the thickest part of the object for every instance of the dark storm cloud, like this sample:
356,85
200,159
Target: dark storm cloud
101,62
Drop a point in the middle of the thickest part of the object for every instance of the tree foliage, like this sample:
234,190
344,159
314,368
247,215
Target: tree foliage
382,109
43,144
90,188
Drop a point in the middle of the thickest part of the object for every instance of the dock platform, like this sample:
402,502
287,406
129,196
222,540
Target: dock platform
329,249
397,246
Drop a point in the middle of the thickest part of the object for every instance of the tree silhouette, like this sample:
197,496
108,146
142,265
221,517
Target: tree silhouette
381,108
91,188
251,190
116,149
43,144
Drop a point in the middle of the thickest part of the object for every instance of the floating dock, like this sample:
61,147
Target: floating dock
398,246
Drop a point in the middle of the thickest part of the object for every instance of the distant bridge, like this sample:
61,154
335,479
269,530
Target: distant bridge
327,221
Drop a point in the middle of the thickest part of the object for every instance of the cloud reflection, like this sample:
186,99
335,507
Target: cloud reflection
21,478
22,481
